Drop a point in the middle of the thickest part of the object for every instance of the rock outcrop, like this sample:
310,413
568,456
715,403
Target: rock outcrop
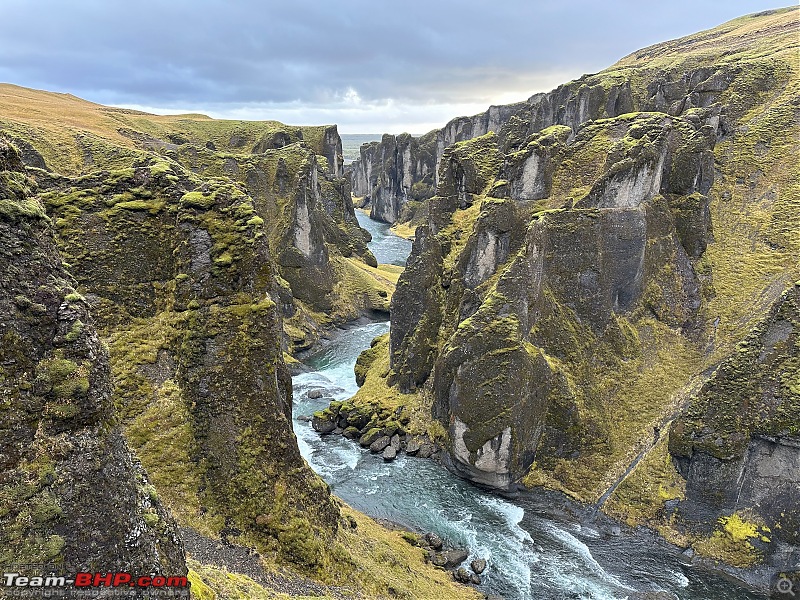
71,492
388,171
498,372
184,285
582,271
392,176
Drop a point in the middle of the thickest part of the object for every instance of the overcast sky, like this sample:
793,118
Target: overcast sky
369,66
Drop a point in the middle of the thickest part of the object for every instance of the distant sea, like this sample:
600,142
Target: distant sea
351,142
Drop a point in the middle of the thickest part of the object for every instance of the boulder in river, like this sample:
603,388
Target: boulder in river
449,559
463,576
369,437
434,541
412,446
426,450
322,424
380,444
315,393
389,454
395,442
350,433
478,566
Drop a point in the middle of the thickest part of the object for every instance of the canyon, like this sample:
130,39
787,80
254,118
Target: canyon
601,301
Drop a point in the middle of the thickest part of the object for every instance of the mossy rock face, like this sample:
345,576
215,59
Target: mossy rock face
71,489
468,168
634,226
545,276
416,313
737,442
365,361
184,291
384,173
294,176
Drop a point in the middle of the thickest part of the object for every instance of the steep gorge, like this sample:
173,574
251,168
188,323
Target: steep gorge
601,300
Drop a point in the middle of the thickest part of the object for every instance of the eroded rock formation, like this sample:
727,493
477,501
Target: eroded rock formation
71,492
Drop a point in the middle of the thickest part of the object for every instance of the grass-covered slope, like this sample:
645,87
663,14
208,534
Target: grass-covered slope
72,135
292,173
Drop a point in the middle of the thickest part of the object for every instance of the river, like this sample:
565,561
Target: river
539,546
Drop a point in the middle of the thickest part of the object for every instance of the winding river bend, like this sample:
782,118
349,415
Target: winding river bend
539,546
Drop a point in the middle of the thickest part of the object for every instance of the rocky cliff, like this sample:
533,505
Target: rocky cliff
206,251
738,445
185,289
582,270
391,173
293,174
392,176
71,492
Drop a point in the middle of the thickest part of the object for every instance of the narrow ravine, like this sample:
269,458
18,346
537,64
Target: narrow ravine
539,546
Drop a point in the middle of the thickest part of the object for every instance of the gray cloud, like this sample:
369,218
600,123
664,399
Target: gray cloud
233,54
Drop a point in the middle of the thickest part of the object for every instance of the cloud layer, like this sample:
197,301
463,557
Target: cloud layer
384,65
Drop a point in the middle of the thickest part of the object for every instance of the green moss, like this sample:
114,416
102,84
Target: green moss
732,541
74,331
152,206
640,498
13,211
747,393
65,378
198,200
299,544
209,582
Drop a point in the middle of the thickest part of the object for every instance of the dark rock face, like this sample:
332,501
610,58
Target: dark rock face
387,183
584,268
398,172
71,490
738,444
392,172
493,383
416,314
